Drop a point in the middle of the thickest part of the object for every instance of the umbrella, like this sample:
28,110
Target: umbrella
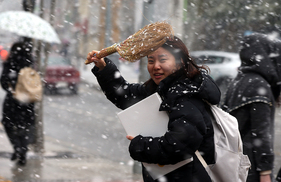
29,25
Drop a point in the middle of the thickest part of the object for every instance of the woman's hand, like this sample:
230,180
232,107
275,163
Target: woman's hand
100,63
265,178
130,137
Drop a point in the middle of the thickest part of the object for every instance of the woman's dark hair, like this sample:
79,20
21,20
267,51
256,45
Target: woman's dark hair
21,54
176,47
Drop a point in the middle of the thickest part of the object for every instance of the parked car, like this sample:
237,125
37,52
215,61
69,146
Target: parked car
60,74
223,65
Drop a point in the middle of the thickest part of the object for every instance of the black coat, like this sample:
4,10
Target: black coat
16,117
14,112
251,99
189,127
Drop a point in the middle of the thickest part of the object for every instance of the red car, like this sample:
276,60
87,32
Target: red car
60,74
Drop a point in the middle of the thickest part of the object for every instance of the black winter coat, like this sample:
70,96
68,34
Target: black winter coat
251,99
189,127
15,113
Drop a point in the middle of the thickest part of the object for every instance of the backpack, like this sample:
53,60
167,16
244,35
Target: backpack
231,164
29,86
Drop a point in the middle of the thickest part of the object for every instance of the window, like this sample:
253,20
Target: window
210,59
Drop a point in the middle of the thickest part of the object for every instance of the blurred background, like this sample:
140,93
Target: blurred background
80,119
95,24
85,25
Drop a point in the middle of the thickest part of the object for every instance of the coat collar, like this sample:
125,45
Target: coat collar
201,86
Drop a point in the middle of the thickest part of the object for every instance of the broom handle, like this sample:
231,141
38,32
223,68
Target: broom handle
105,52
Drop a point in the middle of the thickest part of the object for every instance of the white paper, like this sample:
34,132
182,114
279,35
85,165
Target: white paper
144,118
156,171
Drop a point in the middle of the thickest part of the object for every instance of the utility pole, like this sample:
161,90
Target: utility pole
102,25
39,135
37,138
110,12
38,107
152,11
108,24
114,21
148,10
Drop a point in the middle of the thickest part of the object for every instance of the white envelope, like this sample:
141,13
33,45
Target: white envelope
144,118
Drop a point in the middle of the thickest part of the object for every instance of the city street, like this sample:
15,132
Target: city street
83,141
87,121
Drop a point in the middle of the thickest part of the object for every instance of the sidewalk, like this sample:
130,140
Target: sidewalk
64,162
61,163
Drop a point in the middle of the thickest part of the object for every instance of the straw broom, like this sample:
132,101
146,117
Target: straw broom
140,44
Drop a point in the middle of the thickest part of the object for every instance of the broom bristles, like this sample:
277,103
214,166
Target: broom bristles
142,43
145,41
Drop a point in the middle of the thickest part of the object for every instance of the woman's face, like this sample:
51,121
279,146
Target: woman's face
161,63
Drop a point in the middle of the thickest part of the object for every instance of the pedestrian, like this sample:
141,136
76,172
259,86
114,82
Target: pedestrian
64,48
252,97
184,87
17,117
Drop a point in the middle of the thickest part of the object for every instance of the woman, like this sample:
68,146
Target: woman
17,118
251,98
184,88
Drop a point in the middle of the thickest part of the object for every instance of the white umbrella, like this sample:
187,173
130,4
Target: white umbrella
29,25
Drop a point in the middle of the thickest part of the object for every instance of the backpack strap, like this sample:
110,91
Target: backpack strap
199,156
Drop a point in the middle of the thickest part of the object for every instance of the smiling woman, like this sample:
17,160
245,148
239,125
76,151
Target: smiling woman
183,86
161,63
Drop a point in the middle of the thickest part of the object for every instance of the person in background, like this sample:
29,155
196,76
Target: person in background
184,88
64,48
17,118
252,97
